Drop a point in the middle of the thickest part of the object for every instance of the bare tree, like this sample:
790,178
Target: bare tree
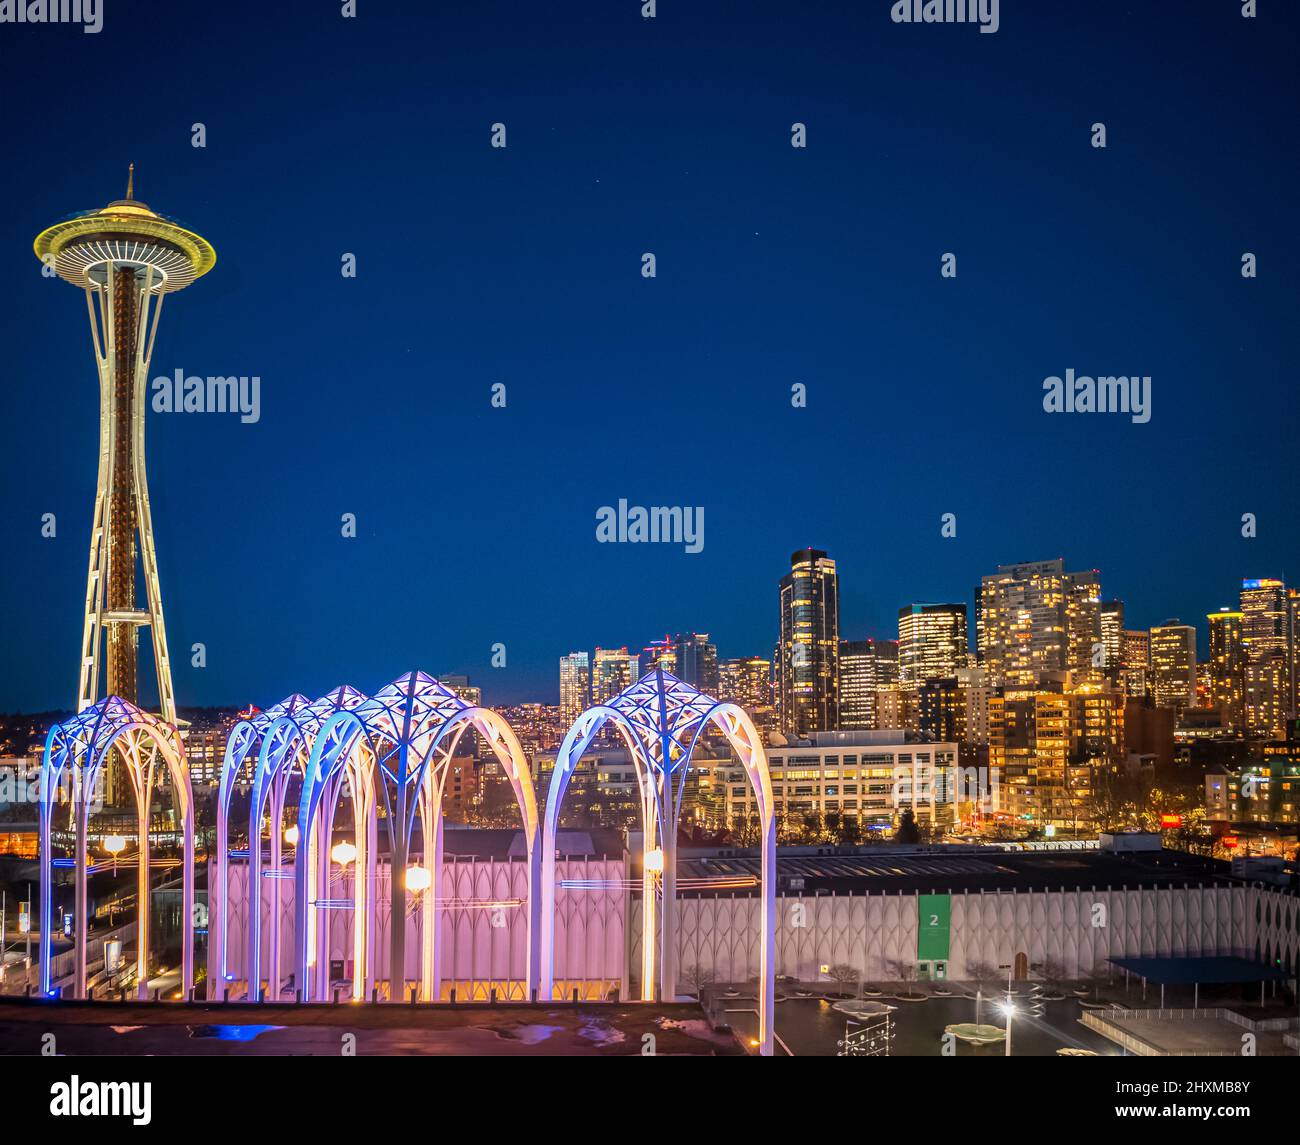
903,969
844,976
698,977
1052,970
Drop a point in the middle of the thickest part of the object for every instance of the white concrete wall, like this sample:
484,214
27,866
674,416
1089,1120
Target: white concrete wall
481,945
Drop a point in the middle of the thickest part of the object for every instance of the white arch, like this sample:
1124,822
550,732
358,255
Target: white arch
661,718
83,744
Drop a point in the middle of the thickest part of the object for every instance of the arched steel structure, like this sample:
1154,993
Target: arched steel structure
81,746
398,745
660,719
281,738
394,747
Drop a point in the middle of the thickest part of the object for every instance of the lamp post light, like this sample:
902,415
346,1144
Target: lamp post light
418,878
343,853
115,845
291,835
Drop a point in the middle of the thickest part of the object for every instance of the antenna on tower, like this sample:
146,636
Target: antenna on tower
130,181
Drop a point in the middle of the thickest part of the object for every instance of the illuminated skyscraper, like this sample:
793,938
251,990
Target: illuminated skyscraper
575,685
1266,691
1265,629
697,661
1172,678
1084,646
866,667
1112,636
931,642
808,677
613,670
748,682
126,258
1135,662
1293,659
1039,620
1228,668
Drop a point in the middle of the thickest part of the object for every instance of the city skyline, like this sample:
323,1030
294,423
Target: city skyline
823,271
729,650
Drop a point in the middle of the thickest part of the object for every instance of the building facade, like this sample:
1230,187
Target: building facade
866,667
1038,620
575,685
868,777
1172,676
931,642
612,671
808,669
1227,668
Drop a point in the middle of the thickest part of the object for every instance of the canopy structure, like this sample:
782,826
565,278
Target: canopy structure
390,753
660,719
1217,970
1198,971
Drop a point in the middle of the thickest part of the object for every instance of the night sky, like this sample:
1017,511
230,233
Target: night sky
775,266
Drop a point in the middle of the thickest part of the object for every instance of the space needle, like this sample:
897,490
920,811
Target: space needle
126,258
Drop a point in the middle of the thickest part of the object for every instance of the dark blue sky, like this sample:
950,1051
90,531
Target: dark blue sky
775,266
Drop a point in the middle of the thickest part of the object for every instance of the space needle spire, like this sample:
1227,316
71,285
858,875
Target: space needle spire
126,258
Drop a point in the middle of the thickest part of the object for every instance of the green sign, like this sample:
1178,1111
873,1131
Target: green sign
933,924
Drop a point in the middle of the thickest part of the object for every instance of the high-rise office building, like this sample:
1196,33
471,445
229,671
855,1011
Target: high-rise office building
866,667
1263,617
808,678
1039,620
1266,692
1135,662
748,682
575,685
1293,659
1227,668
697,661
1172,676
931,642
938,709
1265,631
1112,636
973,695
613,670
1084,646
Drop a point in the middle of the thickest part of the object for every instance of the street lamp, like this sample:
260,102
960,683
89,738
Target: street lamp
343,853
654,861
418,878
1008,1009
115,845
291,835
